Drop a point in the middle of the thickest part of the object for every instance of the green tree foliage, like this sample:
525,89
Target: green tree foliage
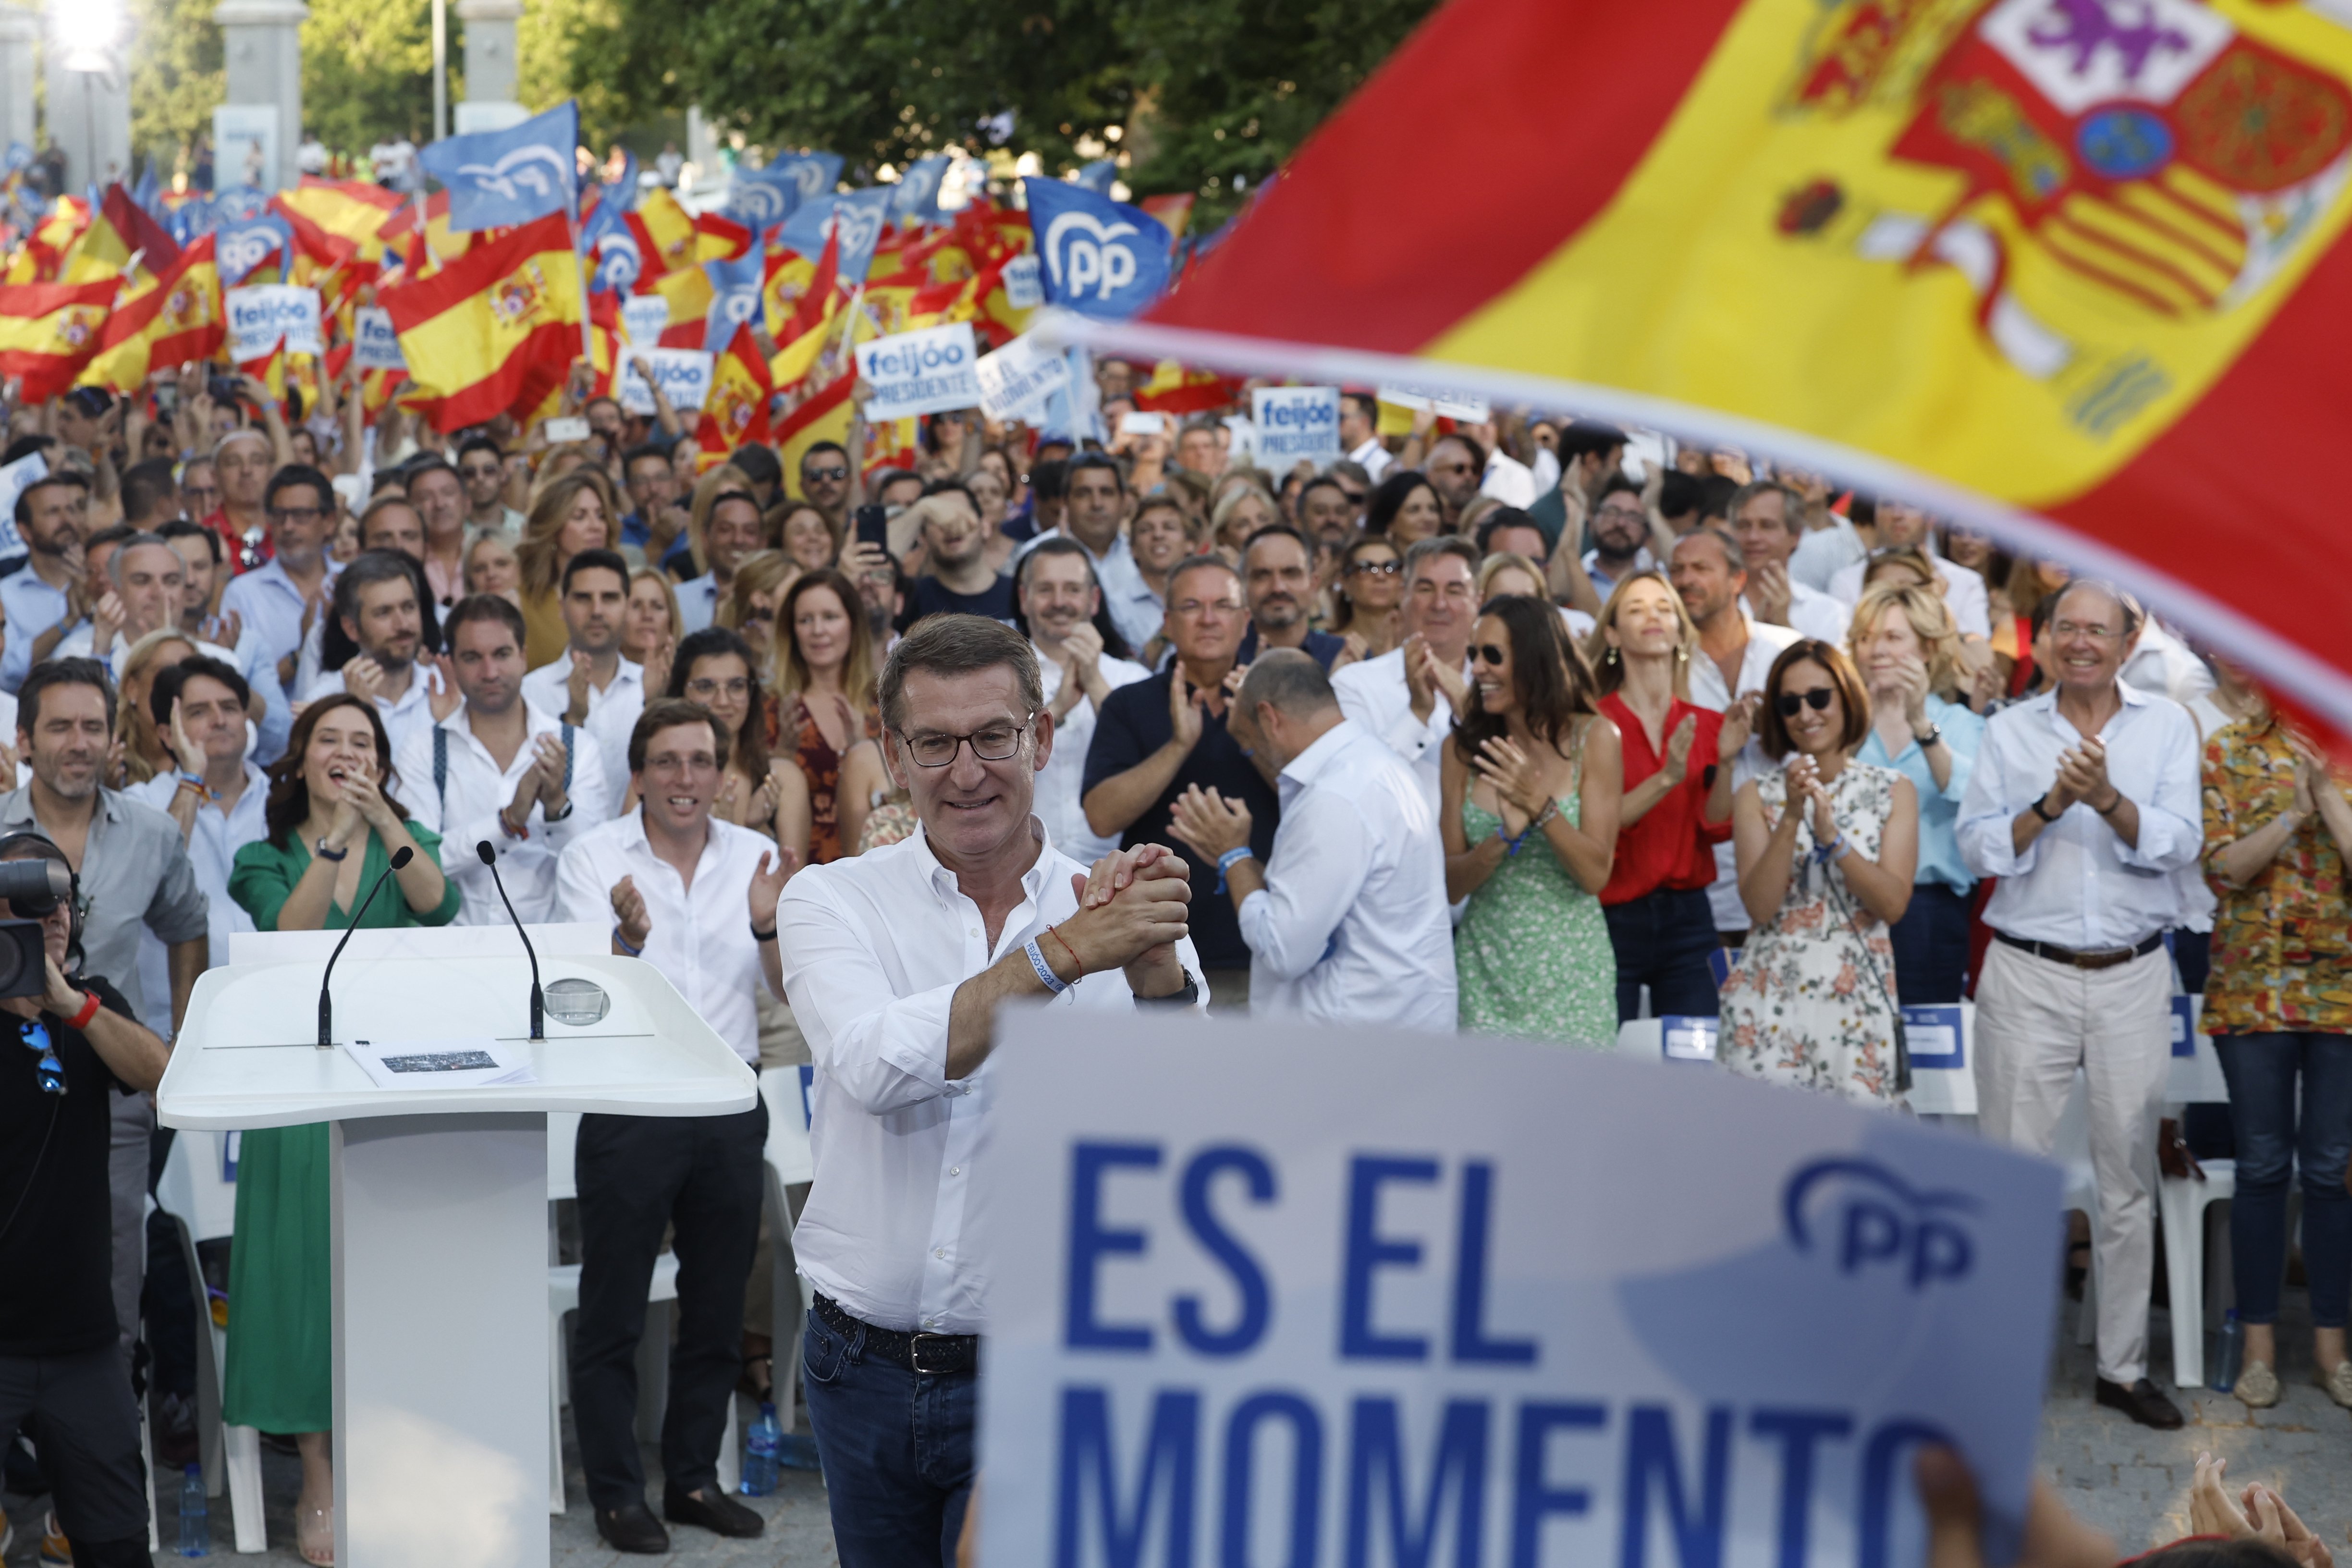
176,76
367,71
1198,93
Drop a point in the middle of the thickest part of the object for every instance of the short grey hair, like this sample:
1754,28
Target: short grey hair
957,645
1792,505
1290,681
1733,556
1199,564
130,542
2134,616
1435,545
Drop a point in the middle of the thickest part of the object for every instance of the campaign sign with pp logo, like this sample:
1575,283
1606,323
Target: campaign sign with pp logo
1017,380
1270,1293
920,373
1295,422
1099,257
684,375
259,317
377,347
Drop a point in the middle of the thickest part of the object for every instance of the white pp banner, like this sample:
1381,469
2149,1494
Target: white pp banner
684,375
1295,422
1267,1293
1016,380
377,347
260,316
643,317
1443,400
926,372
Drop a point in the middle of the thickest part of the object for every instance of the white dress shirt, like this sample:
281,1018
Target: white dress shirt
874,948
1964,593
1352,923
697,602
410,714
1765,642
1134,607
467,813
1373,693
1509,480
2078,884
549,688
700,939
213,844
1057,804
1376,458
2163,666
1811,613
1824,552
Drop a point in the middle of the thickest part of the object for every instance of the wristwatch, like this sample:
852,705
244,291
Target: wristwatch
1934,736
324,853
1188,997
2038,804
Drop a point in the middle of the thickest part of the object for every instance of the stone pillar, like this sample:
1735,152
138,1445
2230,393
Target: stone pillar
20,37
261,43
490,103
87,71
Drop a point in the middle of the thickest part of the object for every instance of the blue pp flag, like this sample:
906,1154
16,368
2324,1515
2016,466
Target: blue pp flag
239,248
1097,176
916,193
607,236
759,199
238,202
623,193
1102,258
734,299
816,173
858,216
497,179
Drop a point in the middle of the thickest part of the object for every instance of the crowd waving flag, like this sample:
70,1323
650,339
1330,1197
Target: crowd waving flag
494,329
2073,270
1101,258
499,178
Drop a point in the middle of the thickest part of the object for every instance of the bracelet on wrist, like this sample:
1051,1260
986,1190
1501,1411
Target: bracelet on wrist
1231,859
2111,805
90,1006
625,945
2044,816
1052,982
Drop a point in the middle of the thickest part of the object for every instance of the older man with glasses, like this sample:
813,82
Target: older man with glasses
278,603
1409,696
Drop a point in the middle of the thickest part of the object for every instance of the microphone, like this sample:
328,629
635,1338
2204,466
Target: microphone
400,858
538,997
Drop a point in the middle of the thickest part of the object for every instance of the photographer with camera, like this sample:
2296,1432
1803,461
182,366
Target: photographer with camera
82,1052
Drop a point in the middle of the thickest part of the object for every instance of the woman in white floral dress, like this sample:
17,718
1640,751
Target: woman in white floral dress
1827,848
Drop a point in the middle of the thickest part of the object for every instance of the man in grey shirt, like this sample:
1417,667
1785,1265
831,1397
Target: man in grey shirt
132,869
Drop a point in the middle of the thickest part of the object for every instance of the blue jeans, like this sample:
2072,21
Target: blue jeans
2260,1070
897,1448
1931,946
1662,940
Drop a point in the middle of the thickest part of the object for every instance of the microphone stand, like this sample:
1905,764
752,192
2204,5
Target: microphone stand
400,859
538,998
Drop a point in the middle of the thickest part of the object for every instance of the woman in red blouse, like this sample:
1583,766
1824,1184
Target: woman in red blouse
1677,803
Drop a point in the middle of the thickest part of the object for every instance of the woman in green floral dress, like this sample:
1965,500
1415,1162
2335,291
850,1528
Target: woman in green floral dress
1532,784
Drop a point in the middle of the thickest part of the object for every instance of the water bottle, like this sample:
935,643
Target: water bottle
759,1456
195,1530
2229,1354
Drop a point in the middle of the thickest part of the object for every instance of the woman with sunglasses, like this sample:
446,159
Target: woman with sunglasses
1530,787
1827,848
1368,599
334,825
718,669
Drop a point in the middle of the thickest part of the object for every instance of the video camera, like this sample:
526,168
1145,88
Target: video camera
31,889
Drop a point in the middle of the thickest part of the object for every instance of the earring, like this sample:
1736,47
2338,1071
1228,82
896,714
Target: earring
1682,656
1611,657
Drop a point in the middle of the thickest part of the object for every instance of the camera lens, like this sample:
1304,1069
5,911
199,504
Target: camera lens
14,966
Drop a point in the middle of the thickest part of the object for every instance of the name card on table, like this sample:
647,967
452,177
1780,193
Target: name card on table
1687,1040
1937,1039
1259,1292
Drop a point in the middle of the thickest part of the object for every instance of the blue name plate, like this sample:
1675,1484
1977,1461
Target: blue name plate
2184,1026
1937,1039
1681,1040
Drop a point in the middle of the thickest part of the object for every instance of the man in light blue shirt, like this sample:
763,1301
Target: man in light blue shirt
52,516
2086,802
275,601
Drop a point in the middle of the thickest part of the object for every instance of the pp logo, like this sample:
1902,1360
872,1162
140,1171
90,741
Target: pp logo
735,307
618,264
859,229
1863,1217
758,202
810,173
537,168
1082,252
239,250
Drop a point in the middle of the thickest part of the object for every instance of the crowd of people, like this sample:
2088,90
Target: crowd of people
1517,726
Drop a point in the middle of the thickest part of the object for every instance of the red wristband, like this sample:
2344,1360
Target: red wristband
89,1005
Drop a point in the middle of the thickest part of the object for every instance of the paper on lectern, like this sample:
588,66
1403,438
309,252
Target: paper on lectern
464,1063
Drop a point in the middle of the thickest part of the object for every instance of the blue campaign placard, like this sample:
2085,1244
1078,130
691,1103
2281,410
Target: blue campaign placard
1687,1040
1936,1040
1267,1293
2184,1026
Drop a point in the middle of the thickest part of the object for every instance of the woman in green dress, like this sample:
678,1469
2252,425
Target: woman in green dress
325,801
1532,786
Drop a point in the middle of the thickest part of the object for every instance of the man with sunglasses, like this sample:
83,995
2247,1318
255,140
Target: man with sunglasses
482,465
69,1050
278,603
896,962
824,483
695,897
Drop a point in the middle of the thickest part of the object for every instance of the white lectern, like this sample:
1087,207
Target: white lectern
440,1196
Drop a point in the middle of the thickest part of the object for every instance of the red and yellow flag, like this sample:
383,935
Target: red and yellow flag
824,417
169,321
735,409
49,331
665,237
353,209
493,330
2073,270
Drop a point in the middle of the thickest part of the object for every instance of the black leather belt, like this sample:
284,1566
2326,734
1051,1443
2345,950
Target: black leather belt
2105,959
930,1355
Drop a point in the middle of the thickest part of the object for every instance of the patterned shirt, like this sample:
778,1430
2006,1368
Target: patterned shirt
2283,943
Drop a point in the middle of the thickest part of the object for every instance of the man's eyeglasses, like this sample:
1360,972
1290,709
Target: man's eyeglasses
297,513
1374,568
1791,702
703,689
48,1072
995,743
835,475
1355,498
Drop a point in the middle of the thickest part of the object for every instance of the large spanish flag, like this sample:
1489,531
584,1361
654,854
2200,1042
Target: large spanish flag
494,329
166,322
2070,270
49,331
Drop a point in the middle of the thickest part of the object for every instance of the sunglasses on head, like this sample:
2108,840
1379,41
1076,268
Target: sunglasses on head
1818,700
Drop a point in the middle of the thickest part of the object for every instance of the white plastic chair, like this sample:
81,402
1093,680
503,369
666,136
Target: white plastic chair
653,1350
2181,1201
202,1204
